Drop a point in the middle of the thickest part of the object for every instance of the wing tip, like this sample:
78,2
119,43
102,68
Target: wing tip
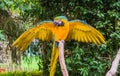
17,47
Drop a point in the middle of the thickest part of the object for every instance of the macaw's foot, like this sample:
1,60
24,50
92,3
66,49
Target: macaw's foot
61,41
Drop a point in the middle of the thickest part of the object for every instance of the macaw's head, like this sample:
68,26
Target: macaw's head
60,20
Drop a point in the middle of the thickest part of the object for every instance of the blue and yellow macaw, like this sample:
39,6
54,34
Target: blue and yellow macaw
59,29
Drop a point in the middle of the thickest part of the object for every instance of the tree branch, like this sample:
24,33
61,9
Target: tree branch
61,58
114,66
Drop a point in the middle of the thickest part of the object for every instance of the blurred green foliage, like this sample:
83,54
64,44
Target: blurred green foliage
2,36
30,63
82,59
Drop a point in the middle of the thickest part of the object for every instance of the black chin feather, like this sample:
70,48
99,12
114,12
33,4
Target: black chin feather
58,23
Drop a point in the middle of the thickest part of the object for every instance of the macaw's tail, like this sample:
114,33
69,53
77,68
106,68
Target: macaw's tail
54,59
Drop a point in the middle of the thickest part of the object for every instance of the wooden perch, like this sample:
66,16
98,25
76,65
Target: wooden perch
62,59
114,66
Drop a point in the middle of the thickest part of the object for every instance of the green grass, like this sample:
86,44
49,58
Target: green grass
18,73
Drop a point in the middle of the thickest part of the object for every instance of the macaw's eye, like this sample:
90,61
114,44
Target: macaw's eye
58,23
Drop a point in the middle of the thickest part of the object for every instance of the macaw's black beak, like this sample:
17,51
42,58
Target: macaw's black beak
58,23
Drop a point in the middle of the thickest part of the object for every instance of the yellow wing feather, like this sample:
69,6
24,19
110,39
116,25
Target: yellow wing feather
44,31
83,32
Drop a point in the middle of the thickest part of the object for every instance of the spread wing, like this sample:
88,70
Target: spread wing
43,31
82,32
